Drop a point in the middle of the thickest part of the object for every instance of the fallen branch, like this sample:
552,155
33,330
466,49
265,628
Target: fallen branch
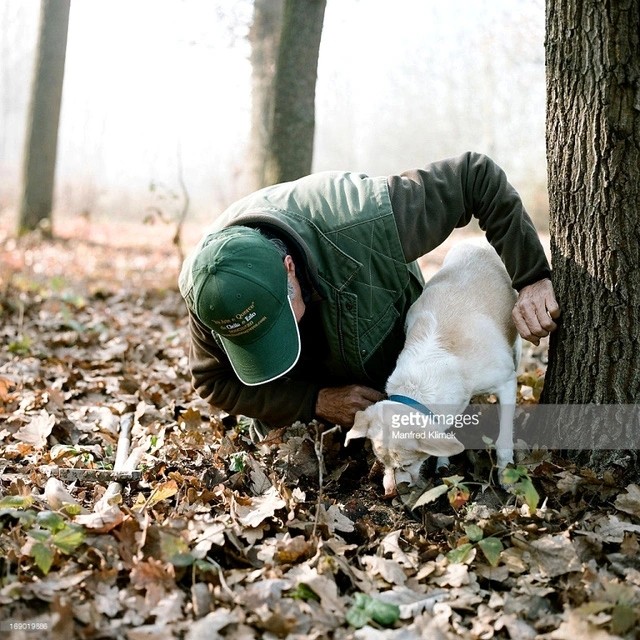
85,475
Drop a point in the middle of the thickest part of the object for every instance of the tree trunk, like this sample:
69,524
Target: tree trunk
290,151
264,37
44,116
593,153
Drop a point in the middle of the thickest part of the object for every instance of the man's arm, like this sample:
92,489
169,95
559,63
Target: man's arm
276,403
430,203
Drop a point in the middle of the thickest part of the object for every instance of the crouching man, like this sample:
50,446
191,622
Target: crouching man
297,294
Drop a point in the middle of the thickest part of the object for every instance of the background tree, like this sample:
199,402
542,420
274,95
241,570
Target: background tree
289,150
44,116
264,38
593,149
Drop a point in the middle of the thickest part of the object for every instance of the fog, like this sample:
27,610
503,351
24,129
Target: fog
150,83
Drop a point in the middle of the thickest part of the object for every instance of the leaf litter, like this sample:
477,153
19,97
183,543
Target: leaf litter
219,538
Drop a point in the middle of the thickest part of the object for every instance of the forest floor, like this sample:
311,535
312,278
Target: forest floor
211,536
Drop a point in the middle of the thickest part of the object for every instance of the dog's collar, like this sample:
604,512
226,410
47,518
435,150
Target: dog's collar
410,402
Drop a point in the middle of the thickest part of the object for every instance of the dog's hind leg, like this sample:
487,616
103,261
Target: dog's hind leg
506,394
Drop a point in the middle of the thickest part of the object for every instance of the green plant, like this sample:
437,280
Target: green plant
365,608
491,546
49,532
522,485
457,492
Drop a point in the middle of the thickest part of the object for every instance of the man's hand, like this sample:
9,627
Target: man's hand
535,311
339,405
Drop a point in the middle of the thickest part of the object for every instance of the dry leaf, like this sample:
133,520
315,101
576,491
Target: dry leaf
290,550
207,628
389,570
37,430
103,520
629,502
260,508
57,496
334,519
391,544
554,555
324,587
162,492
575,626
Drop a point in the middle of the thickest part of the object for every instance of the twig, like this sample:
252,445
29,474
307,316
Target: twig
177,237
318,446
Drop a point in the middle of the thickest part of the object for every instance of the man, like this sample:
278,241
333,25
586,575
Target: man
297,294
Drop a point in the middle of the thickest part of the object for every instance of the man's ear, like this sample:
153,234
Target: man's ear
289,265
361,424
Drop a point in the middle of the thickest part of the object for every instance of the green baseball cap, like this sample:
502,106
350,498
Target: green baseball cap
239,291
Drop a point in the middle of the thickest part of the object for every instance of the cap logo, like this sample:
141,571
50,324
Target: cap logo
239,324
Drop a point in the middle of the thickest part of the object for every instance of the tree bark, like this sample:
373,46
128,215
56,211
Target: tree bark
593,154
44,116
264,37
290,151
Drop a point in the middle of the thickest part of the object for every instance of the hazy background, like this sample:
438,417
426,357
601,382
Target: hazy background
401,83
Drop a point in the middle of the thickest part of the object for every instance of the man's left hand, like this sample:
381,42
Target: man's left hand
535,311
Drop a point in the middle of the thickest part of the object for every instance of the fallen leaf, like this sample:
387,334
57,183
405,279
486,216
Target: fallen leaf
455,575
629,502
554,555
290,550
207,628
389,570
162,492
57,497
334,519
37,430
430,495
324,587
574,626
260,508
611,529
101,522
391,544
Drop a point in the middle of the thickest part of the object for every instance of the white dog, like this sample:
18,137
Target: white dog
461,342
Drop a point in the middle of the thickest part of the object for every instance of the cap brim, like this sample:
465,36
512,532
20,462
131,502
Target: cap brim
269,357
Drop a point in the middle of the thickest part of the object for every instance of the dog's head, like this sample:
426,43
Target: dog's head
400,443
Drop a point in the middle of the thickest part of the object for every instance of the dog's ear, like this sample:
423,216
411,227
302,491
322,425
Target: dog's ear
361,424
421,325
440,447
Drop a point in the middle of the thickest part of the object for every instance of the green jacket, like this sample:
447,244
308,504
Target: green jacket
358,238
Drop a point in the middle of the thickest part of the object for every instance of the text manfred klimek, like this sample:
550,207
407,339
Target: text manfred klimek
429,427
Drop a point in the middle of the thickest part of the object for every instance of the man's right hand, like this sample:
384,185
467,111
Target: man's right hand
339,405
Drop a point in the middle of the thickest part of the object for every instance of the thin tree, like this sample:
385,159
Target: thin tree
290,147
264,37
44,116
593,150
